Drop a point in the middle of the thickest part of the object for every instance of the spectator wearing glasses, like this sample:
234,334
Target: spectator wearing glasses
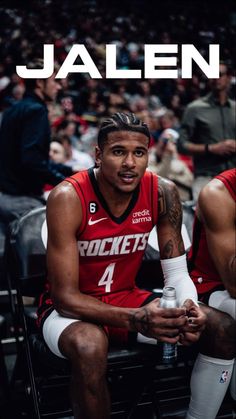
208,131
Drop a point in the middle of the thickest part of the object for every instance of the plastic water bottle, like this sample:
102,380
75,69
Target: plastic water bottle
168,300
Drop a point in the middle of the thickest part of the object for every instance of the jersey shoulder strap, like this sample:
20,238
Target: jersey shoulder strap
150,182
80,181
228,178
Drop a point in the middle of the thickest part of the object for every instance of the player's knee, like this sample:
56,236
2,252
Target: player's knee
89,346
220,334
227,336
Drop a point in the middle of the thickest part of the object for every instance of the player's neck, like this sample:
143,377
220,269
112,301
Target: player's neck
116,200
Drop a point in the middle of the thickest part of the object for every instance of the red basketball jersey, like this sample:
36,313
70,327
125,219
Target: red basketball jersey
203,271
111,248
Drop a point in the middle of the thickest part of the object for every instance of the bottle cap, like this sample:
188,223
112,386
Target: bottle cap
169,292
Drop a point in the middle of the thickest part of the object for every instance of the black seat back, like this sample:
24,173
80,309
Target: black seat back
26,245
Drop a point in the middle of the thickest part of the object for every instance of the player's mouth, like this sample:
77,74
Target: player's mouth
127,177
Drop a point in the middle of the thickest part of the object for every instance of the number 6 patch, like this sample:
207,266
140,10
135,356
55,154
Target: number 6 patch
93,207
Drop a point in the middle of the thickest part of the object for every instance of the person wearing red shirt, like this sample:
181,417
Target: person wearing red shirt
213,270
98,226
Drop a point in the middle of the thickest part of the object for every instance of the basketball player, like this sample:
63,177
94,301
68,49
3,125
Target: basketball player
98,226
213,270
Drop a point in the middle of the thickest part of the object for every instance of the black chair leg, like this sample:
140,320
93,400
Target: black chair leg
4,381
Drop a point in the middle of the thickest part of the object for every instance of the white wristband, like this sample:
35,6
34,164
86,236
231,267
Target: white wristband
176,275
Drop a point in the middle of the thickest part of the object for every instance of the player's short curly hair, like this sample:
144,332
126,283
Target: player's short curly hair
121,121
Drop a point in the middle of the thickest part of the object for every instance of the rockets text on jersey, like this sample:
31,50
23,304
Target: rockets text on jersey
111,246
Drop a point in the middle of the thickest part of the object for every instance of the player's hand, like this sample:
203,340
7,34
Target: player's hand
196,321
163,324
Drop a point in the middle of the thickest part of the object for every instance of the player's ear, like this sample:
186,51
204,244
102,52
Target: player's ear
98,155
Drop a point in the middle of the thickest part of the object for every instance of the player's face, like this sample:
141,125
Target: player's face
123,160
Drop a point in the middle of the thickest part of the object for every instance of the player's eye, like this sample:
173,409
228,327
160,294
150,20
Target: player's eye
118,152
139,153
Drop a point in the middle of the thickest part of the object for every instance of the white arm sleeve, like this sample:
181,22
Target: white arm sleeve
176,275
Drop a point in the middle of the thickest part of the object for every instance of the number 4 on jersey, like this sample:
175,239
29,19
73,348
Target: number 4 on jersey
106,278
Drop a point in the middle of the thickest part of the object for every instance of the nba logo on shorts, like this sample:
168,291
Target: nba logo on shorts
224,376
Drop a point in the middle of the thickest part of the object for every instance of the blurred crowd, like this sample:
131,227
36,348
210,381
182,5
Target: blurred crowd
82,102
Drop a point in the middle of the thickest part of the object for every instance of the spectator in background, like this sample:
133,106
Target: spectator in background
153,124
24,150
168,120
18,92
165,161
79,160
63,118
69,128
144,99
57,152
13,93
208,131
170,126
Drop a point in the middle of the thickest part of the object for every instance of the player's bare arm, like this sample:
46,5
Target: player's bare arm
217,211
172,246
170,220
